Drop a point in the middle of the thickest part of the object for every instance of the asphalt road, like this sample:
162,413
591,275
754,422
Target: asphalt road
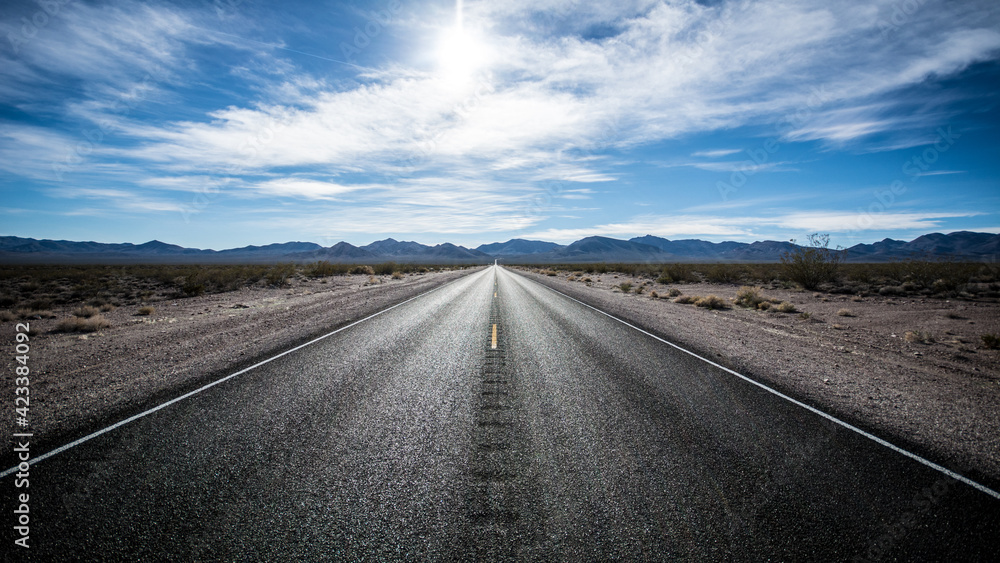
425,434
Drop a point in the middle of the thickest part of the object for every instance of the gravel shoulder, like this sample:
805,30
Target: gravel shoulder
940,399
81,382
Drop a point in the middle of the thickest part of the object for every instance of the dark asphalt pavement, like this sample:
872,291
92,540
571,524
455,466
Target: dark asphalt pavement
577,438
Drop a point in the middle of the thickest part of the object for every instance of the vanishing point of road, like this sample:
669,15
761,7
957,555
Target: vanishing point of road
495,419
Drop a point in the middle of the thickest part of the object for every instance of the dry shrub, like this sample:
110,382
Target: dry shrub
918,337
7,316
990,341
654,295
674,292
687,299
78,324
86,312
711,302
107,308
785,307
146,311
397,275
34,314
845,313
749,297
625,287
763,305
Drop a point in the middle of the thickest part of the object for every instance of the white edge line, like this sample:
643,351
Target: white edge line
895,448
133,418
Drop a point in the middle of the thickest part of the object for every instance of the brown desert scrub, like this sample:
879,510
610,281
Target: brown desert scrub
146,311
711,302
918,337
86,312
990,341
34,314
845,313
785,307
749,297
7,316
674,292
78,324
625,287
397,275
686,299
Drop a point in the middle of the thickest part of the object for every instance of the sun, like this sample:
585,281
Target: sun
460,54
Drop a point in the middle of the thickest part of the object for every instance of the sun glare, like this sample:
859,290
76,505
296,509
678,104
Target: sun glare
460,54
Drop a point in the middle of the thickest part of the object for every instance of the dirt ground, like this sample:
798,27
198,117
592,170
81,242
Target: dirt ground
80,382
936,392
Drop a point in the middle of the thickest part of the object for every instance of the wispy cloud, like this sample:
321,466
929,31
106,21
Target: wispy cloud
716,153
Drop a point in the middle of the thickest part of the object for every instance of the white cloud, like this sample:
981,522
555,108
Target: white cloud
305,188
122,200
716,153
672,69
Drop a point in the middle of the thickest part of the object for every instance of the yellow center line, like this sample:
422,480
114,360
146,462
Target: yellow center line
494,336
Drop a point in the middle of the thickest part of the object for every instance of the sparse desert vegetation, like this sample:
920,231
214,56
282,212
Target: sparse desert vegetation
918,336
83,324
86,291
750,297
939,279
785,307
86,312
711,302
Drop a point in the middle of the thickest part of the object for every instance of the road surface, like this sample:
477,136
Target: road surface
494,419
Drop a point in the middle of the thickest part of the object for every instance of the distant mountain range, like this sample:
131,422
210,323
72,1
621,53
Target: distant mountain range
961,245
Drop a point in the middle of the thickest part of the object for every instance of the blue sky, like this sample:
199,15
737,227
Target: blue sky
223,123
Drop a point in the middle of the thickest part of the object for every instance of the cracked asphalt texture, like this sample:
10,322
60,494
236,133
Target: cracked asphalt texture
409,437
